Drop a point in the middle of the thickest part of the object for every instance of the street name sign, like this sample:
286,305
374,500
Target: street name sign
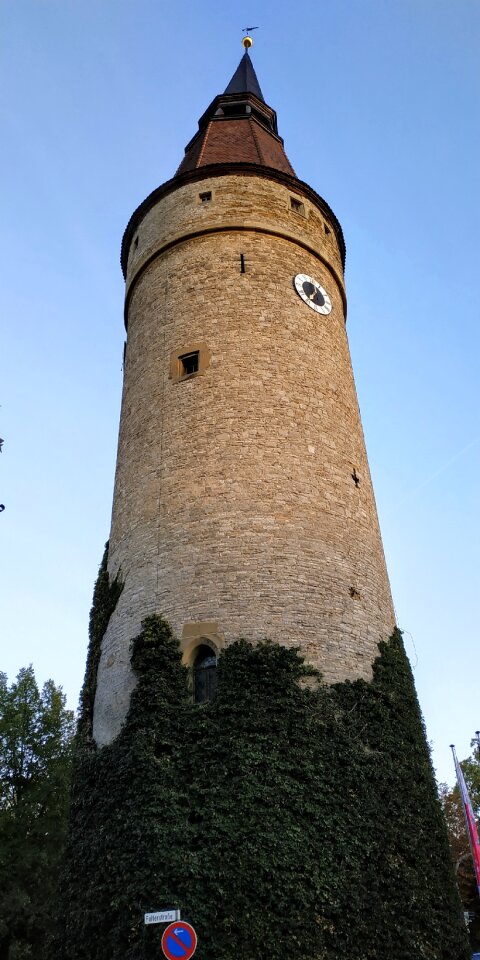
162,916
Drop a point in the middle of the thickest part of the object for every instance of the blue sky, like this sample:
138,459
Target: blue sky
378,105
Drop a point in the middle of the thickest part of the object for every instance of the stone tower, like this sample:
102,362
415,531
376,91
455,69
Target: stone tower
286,814
243,504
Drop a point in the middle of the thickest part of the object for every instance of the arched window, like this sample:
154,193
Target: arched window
204,674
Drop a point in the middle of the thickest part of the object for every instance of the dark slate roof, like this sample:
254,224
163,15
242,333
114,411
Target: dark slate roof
244,79
238,127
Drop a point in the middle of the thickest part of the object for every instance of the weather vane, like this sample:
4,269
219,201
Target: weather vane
247,40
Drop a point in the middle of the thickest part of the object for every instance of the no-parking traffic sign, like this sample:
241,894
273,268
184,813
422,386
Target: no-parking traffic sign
179,941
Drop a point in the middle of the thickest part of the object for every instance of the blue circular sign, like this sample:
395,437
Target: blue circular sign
179,941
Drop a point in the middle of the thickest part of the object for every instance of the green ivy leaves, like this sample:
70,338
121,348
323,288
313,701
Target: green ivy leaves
292,819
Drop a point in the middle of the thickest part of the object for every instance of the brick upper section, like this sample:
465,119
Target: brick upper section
236,140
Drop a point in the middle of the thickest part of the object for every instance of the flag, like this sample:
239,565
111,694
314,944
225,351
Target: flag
469,817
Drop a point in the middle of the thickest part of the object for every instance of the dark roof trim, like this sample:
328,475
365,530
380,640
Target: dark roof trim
231,229
210,113
223,170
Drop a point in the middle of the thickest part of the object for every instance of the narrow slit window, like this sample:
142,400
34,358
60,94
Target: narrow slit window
188,363
205,197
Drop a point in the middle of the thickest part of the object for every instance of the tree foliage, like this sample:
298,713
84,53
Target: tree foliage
36,734
282,814
459,842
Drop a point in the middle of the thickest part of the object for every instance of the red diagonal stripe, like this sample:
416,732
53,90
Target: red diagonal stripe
177,940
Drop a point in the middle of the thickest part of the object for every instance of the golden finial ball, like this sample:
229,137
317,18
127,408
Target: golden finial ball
247,42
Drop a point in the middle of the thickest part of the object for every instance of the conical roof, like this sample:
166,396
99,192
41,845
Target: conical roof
244,79
237,131
238,127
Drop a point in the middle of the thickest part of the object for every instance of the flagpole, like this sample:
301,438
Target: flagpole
469,817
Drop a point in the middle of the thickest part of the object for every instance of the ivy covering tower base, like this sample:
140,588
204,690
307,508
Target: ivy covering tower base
283,812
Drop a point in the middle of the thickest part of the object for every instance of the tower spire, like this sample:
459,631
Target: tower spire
238,126
244,79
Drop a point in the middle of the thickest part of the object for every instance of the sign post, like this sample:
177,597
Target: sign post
179,941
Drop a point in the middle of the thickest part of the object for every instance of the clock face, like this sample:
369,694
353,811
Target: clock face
312,293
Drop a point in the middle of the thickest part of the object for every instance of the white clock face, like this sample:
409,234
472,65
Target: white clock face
312,293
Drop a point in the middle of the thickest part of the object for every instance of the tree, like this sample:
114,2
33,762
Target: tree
36,734
459,842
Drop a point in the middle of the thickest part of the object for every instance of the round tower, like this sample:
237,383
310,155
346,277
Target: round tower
243,504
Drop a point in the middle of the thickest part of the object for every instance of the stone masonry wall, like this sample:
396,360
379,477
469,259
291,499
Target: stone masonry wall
235,511
237,201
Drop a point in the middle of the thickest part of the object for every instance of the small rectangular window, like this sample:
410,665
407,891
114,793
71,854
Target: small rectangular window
297,206
188,363
189,360
205,197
